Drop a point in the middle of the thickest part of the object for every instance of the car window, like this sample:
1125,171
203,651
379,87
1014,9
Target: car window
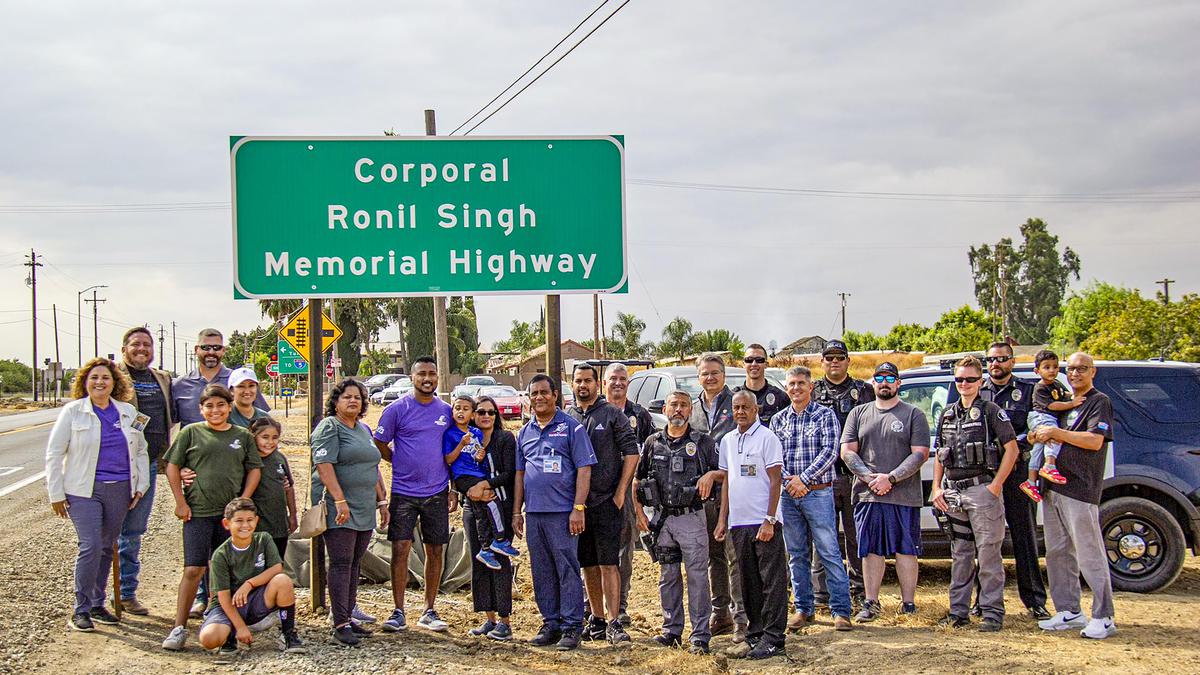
635,385
930,397
690,384
648,390
1169,400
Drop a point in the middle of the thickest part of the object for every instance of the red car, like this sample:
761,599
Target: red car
507,399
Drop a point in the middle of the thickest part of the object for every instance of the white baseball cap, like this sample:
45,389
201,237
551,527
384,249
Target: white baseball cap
241,375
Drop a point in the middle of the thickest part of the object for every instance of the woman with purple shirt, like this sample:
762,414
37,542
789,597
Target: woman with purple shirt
97,469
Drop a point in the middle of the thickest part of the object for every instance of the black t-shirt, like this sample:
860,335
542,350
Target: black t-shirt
150,400
1084,469
612,441
771,399
1045,394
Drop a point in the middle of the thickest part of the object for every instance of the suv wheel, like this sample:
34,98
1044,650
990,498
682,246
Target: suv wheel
1144,544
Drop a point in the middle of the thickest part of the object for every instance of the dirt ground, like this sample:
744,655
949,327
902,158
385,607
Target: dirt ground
1157,632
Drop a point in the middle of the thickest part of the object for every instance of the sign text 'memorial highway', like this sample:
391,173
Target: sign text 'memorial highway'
386,216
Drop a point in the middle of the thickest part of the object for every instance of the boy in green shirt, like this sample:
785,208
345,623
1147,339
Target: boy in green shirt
252,592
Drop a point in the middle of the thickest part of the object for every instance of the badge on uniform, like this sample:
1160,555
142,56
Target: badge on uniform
552,465
141,421
749,470
897,426
854,394
1016,395
771,399
690,449
633,423
974,413
1002,415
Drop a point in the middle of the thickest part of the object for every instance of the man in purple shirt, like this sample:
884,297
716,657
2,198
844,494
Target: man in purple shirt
409,436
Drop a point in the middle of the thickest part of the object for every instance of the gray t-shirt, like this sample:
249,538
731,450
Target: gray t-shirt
885,439
355,462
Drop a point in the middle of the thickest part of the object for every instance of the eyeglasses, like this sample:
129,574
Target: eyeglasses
485,411
754,359
832,358
998,359
1078,369
969,380
210,348
890,379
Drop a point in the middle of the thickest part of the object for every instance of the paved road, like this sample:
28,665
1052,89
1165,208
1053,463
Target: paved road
23,448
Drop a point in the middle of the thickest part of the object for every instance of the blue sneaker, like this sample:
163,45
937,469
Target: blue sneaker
488,559
395,623
360,616
504,547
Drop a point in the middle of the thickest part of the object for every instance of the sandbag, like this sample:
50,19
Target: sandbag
376,562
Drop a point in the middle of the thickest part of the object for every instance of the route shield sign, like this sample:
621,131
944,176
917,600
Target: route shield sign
427,215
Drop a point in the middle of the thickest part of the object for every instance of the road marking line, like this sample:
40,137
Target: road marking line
20,429
21,483
9,470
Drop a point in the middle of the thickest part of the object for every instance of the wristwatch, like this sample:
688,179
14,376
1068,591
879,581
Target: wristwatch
580,507
772,520
891,479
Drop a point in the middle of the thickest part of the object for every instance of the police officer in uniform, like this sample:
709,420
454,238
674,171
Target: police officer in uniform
841,393
1015,397
676,474
771,399
976,450
712,413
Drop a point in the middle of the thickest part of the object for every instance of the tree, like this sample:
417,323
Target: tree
374,362
523,338
905,337
959,330
462,336
418,327
678,338
720,340
1083,309
626,341
1024,287
1140,328
14,377
862,342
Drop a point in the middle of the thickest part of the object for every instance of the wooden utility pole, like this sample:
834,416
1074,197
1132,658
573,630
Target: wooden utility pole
95,321
57,358
1166,284
595,325
844,296
316,371
603,335
33,264
441,345
162,338
174,352
554,362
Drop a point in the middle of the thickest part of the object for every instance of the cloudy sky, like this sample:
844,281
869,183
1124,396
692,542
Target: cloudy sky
133,102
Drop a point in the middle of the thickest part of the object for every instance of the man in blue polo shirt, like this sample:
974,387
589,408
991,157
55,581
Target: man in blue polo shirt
554,471
185,390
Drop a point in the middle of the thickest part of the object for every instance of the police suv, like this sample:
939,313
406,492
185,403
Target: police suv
1150,505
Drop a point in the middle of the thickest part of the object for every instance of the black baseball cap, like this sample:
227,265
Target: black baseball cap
887,368
834,346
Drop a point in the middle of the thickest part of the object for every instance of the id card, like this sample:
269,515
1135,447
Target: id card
552,465
749,469
141,421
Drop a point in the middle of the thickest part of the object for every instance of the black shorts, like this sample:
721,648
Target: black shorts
254,611
433,512
464,483
201,536
600,543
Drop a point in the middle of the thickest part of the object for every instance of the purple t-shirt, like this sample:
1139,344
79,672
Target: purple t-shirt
415,432
113,462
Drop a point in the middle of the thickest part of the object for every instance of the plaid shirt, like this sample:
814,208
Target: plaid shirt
810,442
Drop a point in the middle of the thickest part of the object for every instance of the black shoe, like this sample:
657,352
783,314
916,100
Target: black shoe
360,630
230,646
290,643
1039,613
990,626
596,629
102,615
698,647
870,611
908,608
546,636
976,611
668,640
953,621
569,640
81,622
482,629
345,635
765,650
616,633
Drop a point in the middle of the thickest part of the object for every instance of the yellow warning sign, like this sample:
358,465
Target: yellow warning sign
296,332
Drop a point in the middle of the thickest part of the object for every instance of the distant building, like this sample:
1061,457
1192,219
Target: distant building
813,344
394,350
534,361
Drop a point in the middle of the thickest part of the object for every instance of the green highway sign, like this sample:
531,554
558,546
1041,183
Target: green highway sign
427,215
290,360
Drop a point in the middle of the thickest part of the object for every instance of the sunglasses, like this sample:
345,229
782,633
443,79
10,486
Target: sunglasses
998,359
485,411
890,379
835,358
754,359
970,380
210,348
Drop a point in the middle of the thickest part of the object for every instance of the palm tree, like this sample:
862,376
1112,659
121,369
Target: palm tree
626,340
678,338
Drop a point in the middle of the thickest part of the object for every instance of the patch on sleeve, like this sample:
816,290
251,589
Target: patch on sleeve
1103,426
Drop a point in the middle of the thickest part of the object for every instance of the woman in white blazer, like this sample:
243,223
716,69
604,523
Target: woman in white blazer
97,469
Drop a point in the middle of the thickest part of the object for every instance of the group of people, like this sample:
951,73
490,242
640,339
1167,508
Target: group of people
744,488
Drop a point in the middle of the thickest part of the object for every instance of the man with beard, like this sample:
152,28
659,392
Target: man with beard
771,399
884,444
616,387
712,413
1015,397
676,473
616,452
152,388
841,393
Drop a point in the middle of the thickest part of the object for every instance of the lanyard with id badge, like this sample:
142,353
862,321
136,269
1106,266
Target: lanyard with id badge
551,462
745,470
141,421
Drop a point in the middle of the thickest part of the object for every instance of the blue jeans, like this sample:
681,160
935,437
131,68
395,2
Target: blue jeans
808,521
554,564
129,544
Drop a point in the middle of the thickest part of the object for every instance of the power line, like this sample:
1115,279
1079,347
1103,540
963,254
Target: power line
527,71
548,69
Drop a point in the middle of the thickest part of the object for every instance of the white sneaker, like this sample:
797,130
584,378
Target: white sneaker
1063,621
1098,629
175,639
431,621
266,622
